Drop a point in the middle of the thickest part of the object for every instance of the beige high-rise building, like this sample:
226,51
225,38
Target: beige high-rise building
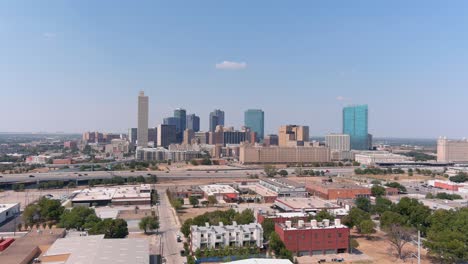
249,154
142,131
452,150
293,135
339,142
189,135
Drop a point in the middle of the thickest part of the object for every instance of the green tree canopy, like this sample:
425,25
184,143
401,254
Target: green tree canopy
377,191
270,170
364,204
268,226
148,223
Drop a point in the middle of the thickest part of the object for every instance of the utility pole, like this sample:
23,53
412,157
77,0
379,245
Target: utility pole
418,256
419,247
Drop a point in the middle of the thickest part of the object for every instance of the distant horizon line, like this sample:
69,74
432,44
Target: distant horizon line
81,133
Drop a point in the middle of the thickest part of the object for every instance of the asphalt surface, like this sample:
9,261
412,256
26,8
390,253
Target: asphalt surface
168,230
34,177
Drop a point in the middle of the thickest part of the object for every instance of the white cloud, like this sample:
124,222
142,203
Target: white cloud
49,35
231,65
342,98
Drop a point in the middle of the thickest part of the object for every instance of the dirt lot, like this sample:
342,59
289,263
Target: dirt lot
190,212
379,249
134,214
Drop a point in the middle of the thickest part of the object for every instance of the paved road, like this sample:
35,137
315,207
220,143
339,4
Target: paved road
169,229
9,178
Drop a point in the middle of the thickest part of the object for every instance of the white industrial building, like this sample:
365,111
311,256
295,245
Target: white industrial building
222,236
376,157
97,250
220,191
8,210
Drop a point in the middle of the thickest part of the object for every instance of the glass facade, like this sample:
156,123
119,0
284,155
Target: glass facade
355,122
193,122
255,120
181,114
216,118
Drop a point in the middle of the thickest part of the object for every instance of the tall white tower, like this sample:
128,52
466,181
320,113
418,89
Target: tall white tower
142,132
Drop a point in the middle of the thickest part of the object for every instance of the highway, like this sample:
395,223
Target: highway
176,174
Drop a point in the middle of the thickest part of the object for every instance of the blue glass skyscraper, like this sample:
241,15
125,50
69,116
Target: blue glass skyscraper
355,124
255,120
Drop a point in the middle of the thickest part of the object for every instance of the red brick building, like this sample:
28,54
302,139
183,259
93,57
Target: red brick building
314,238
335,191
391,191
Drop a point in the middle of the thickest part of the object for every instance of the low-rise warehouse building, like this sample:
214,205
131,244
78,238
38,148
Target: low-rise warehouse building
310,204
314,238
103,196
335,191
266,195
223,236
97,250
7,211
220,191
372,158
284,187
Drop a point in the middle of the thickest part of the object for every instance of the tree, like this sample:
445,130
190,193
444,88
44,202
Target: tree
212,200
390,218
410,172
298,171
206,161
148,223
355,217
78,217
366,227
283,173
382,205
398,237
446,236
244,218
270,170
363,203
377,191
353,244
194,201
111,228
268,226
324,214
397,185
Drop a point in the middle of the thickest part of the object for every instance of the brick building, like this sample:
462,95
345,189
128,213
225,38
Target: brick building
335,191
314,238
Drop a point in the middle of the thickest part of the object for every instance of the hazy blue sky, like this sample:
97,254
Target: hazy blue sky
78,65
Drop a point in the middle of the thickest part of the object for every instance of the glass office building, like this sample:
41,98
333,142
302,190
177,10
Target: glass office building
181,115
193,122
355,122
255,120
216,118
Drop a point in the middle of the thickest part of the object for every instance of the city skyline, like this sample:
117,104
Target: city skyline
312,59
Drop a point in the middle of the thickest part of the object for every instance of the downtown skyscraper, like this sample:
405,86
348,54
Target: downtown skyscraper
142,131
181,115
355,124
216,119
193,122
255,120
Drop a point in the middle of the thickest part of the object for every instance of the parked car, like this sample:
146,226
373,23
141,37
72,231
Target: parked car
31,176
